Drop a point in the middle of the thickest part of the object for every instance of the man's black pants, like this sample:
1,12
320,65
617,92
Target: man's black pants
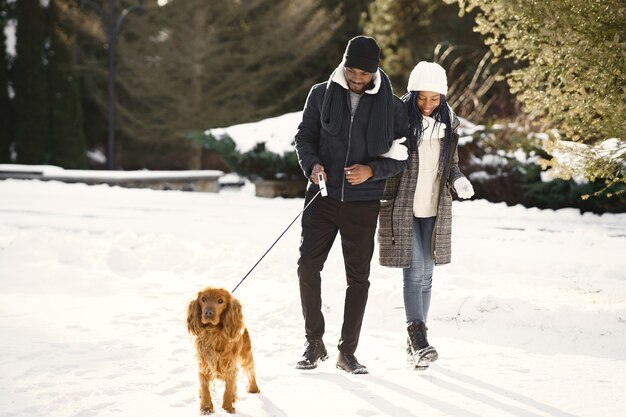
356,223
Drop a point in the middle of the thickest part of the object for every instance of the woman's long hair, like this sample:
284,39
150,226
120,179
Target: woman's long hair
441,115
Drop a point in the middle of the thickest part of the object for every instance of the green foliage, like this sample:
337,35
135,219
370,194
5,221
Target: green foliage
259,163
31,84
194,64
561,193
410,31
504,164
46,112
571,73
599,162
290,168
224,145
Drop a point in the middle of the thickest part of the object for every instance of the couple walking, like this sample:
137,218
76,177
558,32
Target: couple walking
370,146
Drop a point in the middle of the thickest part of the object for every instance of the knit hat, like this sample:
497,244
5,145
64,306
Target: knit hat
363,53
428,76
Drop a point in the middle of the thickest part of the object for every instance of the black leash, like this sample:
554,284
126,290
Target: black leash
276,241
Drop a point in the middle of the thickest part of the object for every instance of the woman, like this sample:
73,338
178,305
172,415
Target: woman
416,213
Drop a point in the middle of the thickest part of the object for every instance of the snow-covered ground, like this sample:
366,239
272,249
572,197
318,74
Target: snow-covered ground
529,319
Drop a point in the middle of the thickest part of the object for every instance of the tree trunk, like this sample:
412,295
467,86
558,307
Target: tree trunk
5,111
32,125
66,115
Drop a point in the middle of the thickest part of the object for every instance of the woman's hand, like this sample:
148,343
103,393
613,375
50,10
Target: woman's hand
463,188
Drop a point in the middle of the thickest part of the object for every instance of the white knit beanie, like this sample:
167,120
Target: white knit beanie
428,76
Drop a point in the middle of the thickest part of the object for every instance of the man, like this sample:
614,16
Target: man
347,134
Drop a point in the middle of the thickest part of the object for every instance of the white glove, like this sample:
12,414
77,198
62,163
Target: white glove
397,151
463,188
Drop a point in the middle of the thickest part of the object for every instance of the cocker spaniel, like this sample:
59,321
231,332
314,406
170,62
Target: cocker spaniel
214,317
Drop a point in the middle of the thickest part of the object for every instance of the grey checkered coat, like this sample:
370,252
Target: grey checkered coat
395,222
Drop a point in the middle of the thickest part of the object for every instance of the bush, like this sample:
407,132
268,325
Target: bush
560,193
224,145
259,163
574,81
290,168
503,165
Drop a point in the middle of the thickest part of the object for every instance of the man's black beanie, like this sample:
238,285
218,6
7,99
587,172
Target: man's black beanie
363,53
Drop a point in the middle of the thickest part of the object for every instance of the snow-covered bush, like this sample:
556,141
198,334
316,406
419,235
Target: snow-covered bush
505,163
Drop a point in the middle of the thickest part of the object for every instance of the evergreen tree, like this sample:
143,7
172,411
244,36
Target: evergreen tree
410,31
5,111
92,71
32,125
571,75
66,115
348,18
192,64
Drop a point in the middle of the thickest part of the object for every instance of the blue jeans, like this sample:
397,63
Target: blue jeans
418,277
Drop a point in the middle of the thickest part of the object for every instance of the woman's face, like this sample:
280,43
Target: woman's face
427,101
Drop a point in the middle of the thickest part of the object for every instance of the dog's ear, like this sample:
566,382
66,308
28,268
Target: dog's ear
233,318
194,321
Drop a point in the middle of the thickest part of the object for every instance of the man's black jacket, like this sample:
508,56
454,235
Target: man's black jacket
316,145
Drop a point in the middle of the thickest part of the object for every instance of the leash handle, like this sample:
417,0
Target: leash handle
276,241
322,184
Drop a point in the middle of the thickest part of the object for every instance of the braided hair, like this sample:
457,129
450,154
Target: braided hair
441,115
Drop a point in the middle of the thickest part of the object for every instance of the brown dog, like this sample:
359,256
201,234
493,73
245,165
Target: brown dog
222,343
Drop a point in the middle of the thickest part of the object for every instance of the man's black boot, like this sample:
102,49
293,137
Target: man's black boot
347,362
315,351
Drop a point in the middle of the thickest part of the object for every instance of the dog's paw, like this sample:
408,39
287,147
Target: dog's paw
253,388
207,409
229,408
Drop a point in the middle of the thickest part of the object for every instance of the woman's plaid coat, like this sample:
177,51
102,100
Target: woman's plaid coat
395,221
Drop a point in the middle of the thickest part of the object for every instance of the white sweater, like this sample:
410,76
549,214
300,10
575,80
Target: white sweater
427,188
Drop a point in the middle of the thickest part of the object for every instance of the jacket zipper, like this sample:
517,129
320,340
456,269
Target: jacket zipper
345,163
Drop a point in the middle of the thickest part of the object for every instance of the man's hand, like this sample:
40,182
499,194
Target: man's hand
317,168
357,174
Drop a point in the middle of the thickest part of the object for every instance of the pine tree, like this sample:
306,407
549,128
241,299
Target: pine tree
66,114
410,31
92,71
192,64
5,111
571,73
30,82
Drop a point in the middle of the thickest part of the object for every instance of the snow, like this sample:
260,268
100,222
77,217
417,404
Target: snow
60,173
277,133
9,32
529,319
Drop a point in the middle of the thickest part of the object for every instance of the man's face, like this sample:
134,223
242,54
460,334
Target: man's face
358,80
